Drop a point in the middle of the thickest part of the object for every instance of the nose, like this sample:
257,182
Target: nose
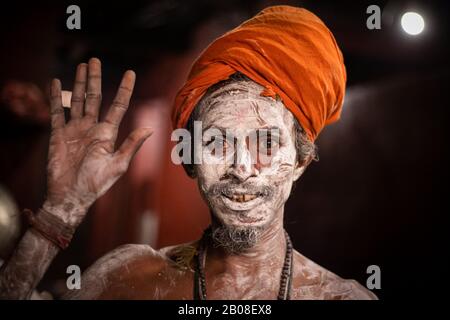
243,166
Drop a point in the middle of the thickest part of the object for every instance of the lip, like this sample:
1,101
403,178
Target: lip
241,197
241,206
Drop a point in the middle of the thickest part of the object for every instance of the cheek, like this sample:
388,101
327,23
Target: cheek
280,173
281,166
208,175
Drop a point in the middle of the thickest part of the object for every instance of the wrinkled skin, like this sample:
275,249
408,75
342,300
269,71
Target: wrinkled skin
83,165
241,110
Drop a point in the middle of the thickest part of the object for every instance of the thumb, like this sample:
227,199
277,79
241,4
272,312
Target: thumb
132,143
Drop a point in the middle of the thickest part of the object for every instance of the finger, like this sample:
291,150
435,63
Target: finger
56,109
132,144
122,99
94,89
78,93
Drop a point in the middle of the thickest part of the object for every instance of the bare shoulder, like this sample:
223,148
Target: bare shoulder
312,281
118,263
180,256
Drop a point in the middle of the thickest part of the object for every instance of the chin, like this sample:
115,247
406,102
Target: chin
237,237
237,219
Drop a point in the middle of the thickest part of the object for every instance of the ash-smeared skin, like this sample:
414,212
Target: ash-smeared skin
24,270
138,271
82,165
240,109
255,273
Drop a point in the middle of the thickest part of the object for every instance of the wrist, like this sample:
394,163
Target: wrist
50,227
71,212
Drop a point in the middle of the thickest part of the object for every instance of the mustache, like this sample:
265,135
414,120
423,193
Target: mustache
229,188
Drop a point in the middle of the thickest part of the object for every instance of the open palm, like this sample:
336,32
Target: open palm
82,162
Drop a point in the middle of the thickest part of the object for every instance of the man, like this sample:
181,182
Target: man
278,77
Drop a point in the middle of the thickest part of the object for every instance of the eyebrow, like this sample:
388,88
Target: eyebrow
269,128
215,127
266,127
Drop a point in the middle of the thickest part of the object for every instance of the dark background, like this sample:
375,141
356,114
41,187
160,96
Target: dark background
377,196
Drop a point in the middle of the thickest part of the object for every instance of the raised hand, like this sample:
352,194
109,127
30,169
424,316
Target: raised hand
82,161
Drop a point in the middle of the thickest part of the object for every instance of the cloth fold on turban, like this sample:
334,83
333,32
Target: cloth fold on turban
287,50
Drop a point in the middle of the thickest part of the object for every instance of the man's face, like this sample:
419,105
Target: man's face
247,192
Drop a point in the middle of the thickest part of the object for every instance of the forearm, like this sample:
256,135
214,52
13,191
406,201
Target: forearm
34,253
26,267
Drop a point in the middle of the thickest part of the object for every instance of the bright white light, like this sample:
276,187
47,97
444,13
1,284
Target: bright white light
412,23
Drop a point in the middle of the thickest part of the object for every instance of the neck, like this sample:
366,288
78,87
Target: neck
267,253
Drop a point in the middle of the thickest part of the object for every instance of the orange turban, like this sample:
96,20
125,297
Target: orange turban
287,50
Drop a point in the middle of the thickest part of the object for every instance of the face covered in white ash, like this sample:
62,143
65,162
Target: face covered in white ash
249,162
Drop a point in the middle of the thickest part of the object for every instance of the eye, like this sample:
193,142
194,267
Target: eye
267,143
217,145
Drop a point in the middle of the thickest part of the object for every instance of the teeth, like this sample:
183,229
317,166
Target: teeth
248,197
243,197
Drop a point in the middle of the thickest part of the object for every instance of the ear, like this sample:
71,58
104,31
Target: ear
300,167
190,170
298,171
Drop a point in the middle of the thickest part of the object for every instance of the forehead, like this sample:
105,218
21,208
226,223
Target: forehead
239,105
